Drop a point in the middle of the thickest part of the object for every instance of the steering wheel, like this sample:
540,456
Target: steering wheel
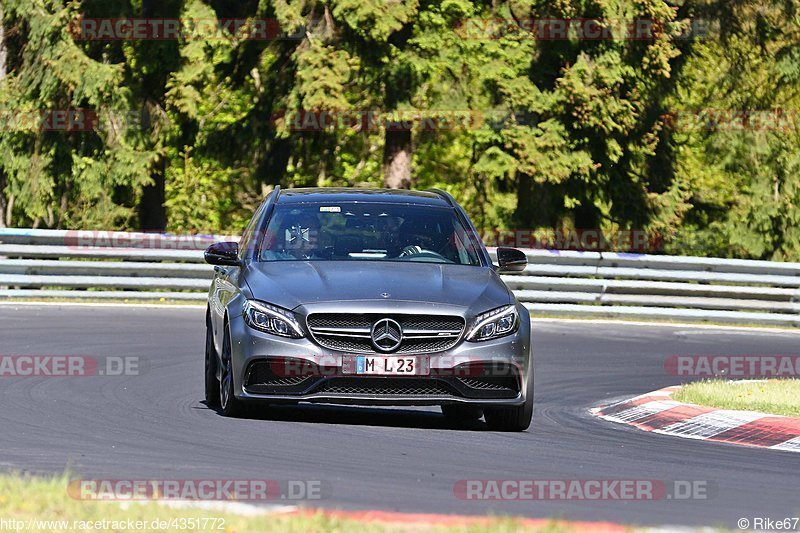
417,251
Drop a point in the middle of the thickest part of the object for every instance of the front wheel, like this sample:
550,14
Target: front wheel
231,406
517,418
212,382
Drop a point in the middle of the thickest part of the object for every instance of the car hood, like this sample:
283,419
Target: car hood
290,284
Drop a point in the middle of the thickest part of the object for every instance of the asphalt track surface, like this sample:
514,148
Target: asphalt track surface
156,426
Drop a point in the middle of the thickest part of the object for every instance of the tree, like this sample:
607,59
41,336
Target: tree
89,175
3,58
737,134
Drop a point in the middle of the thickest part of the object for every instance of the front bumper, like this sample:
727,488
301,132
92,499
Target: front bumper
489,373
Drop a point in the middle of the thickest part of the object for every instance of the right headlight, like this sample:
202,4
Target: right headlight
271,319
494,324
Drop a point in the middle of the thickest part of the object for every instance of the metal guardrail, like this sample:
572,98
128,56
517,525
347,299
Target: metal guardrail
142,266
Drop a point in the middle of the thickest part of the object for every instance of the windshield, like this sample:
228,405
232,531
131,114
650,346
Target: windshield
367,232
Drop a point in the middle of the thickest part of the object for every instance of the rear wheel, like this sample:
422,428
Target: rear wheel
231,406
461,413
516,418
212,383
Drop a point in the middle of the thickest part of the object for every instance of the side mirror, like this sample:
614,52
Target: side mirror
223,253
511,260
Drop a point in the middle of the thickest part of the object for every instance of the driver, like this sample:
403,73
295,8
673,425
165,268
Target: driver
300,235
417,236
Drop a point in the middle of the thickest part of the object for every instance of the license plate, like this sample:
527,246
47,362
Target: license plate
387,366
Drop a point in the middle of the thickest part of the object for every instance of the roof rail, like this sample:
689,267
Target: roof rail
277,191
444,194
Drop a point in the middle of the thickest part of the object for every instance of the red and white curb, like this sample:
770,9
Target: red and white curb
657,412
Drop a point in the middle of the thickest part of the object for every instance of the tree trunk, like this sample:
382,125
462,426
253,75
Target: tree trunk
525,211
3,49
9,210
3,203
538,203
3,56
152,214
397,159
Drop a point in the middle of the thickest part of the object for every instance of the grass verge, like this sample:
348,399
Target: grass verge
775,396
43,504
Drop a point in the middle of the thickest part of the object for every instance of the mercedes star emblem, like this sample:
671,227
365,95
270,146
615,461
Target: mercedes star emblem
386,335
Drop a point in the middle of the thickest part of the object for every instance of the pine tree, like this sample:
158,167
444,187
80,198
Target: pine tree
56,177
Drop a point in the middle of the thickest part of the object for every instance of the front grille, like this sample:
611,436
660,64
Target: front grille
267,377
279,376
433,322
385,387
412,346
338,321
346,345
351,332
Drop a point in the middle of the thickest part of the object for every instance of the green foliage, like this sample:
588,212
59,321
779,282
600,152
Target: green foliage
739,138
199,194
529,133
203,103
375,19
56,177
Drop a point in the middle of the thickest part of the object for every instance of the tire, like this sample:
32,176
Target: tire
212,382
229,404
517,418
461,413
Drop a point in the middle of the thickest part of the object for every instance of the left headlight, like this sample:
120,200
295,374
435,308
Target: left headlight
495,323
271,319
